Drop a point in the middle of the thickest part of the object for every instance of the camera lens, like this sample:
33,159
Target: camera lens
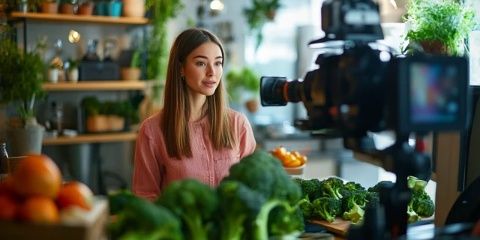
272,91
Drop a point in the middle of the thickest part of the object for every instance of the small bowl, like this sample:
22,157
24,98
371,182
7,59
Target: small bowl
295,170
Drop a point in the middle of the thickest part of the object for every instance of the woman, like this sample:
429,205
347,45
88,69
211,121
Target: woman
195,135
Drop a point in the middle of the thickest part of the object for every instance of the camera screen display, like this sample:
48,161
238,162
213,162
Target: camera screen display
434,93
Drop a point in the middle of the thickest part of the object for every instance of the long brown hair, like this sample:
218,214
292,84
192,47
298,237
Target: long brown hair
176,111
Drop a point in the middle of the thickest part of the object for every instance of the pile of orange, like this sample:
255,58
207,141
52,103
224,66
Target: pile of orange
289,159
34,192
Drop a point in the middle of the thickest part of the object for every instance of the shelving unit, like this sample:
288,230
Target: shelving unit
97,86
79,18
91,138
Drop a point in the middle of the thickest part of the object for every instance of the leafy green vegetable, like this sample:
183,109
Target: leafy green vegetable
327,208
194,203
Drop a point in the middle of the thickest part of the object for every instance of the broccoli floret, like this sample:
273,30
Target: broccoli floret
353,204
262,173
285,220
307,208
331,187
310,187
353,186
417,185
237,203
412,215
326,208
194,203
137,218
422,204
373,198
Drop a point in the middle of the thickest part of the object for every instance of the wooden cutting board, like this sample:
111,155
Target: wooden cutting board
339,226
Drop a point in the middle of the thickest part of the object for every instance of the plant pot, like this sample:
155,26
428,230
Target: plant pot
53,75
49,7
134,8
86,9
97,123
23,141
434,47
116,123
67,8
252,105
72,75
130,73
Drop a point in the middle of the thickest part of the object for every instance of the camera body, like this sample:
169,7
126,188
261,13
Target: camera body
360,85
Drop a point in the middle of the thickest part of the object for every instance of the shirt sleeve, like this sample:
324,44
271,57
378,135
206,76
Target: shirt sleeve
146,172
247,139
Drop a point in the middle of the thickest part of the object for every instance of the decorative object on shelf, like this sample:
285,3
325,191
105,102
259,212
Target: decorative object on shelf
85,8
49,6
108,116
244,79
68,6
132,72
259,13
438,26
71,67
114,8
134,8
21,84
160,12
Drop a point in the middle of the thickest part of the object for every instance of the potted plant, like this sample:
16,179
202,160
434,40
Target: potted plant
438,26
49,6
240,80
21,77
71,66
259,13
133,71
85,8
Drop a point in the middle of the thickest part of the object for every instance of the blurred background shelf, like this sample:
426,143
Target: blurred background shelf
79,18
91,138
96,85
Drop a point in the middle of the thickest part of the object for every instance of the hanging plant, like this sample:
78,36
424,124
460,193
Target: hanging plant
260,12
157,48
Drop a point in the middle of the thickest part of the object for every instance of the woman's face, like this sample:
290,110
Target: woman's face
203,69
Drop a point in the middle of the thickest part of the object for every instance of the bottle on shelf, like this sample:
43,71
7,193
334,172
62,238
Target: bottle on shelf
3,161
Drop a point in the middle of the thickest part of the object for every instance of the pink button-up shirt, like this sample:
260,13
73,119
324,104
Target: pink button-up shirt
154,169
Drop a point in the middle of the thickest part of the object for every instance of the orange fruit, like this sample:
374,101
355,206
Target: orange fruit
37,175
39,209
8,207
75,194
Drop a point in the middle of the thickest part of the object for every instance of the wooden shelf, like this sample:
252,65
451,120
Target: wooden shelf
96,85
91,138
79,18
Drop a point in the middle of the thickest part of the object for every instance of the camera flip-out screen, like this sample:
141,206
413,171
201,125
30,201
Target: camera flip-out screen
433,93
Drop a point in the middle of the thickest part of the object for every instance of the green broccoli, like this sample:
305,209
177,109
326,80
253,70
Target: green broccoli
417,185
422,204
137,218
307,208
412,215
331,187
194,203
237,203
353,204
326,208
373,198
310,187
287,220
264,174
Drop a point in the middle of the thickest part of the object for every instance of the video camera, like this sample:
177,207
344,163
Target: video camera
360,84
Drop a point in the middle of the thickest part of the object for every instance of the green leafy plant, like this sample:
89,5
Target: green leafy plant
21,77
260,12
161,11
439,22
242,79
136,57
